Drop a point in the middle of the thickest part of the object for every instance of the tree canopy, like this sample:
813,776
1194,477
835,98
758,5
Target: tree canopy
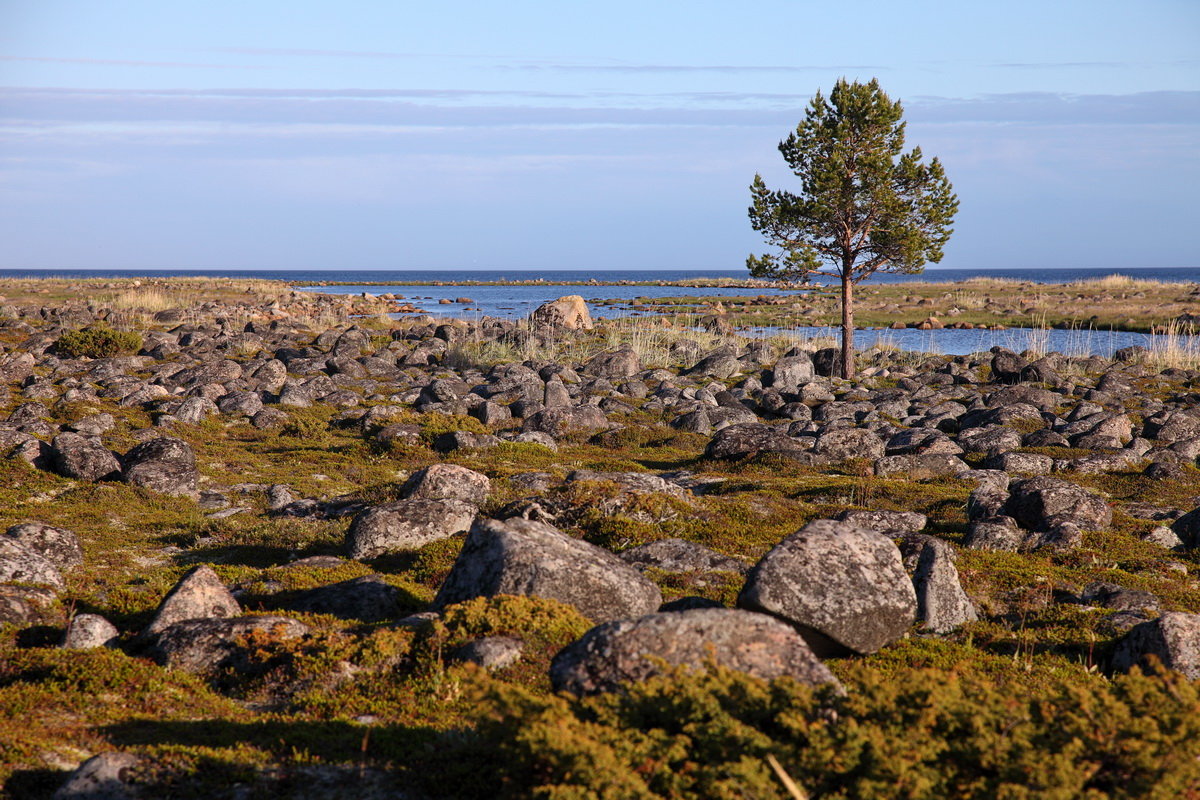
864,204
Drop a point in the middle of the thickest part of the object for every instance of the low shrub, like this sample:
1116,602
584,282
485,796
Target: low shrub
97,341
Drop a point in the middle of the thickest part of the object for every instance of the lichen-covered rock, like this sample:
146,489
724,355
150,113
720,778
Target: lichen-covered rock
107,776
844,587
166,465
621,363
1173,638
491,652
885,521
792,371
754,438
21,564
941,602
1042,503
59,546
560,421
406,525
200,594
29,605
679,555
86,631
629,650
921,466
524,557
203,646
840,444
84,458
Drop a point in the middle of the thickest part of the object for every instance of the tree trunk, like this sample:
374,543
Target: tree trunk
847,325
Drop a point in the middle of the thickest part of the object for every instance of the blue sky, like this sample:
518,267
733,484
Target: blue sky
569,135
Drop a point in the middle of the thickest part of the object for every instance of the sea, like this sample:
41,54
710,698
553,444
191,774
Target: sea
516,301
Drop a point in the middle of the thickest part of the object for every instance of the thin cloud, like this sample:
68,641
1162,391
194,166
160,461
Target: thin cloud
692,68
109,62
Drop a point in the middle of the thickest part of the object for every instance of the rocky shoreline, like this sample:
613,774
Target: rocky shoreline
296,504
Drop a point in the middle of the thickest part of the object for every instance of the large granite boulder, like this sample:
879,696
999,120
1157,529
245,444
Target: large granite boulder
628,650
621,363
941,602
755,438
524,557
570,312
203,646
842,586
559,421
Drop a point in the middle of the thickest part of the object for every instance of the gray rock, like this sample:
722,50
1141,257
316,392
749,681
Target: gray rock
678,555
1163,537
560,421
73,455
1173,638
1028,463
843,586
200,594
166,465
369,598
406,525
464,440
630,650
107,776
997,533
885,521
621,363
203,646
21,564
447,482
751,439
524,557
1115,596
491,652
1042,503
193,410
921,466
941,602
793,371
537,437
992,439
86,631
23,606
57,545
840,444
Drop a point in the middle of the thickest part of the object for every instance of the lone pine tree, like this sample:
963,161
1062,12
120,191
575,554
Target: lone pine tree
864,205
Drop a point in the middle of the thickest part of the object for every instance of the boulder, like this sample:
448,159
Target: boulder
406,525
792,371
1173,638
23,605
74,455
885,521
678,555
629,650
752,439
369,598
166,465
1043,503
621,363
941,602
203,646
524,557
559,421
491,652
840,444
86,631
21,564
106,776
447,482
921,466
200,594
844,587
570,312
57,545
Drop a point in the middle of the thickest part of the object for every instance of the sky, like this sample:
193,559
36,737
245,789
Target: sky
573,135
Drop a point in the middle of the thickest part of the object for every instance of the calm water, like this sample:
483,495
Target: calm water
518,301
